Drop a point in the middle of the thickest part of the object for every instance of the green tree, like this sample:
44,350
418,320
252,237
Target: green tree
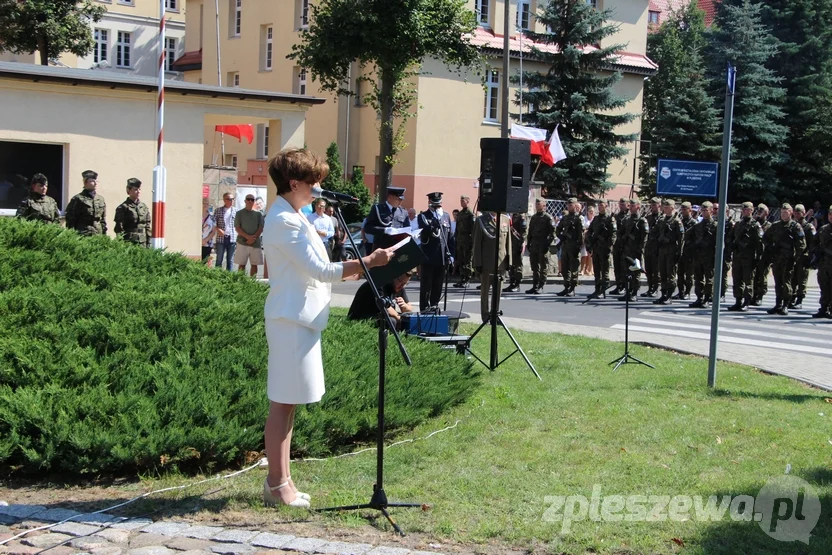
354,186
577,94
679,120
50,27
389,38
758,135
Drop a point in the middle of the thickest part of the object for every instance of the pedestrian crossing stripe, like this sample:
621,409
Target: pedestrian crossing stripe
733,330
777,325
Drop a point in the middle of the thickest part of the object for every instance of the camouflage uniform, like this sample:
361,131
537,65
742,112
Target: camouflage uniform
39,207
763,268
618,247
686,262
634,230
800,279
746,248
700,241
133,222
651,252
540,236
518,238
823,257
785,241
599,241
464,237
671,241
570,231
86,213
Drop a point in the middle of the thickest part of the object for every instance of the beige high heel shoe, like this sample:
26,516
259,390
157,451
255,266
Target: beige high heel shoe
300,493
271,499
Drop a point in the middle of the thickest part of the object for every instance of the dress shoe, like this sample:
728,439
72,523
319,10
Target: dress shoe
821,313
270,499
756,302
736,307
648,294
563,293
532,291
511,289
698,303
773,310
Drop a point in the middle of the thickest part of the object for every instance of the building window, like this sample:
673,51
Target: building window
267,64
172,5
266,141
170,53
593,3
125,2
231,160
523,14
359,95
100,52
492,94
233,79
236,18
304,14
482,12
262,141
302,81
653,17
123,49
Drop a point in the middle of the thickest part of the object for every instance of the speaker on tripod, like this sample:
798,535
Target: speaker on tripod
505,168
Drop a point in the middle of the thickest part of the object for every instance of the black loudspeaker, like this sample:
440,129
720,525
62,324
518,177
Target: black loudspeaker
505,165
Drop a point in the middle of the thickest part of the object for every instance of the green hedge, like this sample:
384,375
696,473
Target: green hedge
116,359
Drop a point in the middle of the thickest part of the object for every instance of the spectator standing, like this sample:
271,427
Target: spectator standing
586,258
86,212
38,205
323,225
226,242
339,238
248,223
209,230
413,218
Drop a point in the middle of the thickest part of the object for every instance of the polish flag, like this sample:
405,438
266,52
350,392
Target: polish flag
244,131
533,134
554,152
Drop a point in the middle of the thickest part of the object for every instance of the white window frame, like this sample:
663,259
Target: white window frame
304,14
238,17
492,95
302,81
172,6
268,55
483,13
127,2
262,141
101,51
524,7
171,46
124,49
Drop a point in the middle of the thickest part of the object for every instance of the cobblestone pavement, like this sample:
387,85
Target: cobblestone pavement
103,534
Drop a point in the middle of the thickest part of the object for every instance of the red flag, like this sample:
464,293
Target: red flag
239,131
554,152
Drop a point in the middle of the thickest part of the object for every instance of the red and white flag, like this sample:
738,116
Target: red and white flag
533,134
554,152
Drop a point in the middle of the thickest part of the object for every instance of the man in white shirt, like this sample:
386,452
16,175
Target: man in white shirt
323,225
414,218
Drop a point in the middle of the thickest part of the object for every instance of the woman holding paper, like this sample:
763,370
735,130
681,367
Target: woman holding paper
296,310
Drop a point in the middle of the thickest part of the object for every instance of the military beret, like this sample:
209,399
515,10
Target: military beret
572,200
622,199
134,183
707,204
786,206
38,178
762,206
89,174
655,200
668,202
799,208
686,204
748,204
465,197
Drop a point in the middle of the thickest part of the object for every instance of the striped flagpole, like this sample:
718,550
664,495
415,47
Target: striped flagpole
159,172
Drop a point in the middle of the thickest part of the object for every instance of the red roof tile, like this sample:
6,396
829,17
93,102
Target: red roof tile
709,7
189,60
665,7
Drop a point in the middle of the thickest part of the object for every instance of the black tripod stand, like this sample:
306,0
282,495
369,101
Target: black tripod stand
495,317
627,358
378,501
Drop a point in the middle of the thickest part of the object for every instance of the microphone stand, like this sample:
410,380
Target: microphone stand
378,501
627,358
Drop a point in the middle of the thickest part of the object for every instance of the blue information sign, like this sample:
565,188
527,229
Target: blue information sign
685,178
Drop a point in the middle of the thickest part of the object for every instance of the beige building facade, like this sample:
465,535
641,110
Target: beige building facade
454,111
60,122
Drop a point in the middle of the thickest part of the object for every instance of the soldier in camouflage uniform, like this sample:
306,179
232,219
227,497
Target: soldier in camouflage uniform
727,249
599,241
685,270
764,263
133,217
86,212
38,205
620,273
700,241
570,231
651,249
540,237
800,279
785,241
671,240
518,238
464,240
634,229
823,260
746,240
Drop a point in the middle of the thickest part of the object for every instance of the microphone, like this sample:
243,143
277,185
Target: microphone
333,196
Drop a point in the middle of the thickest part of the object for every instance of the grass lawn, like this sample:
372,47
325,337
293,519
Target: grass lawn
634,432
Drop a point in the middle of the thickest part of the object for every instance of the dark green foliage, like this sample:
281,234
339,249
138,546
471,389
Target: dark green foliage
355,186
577,93
116,359
758,136
50,27
680,120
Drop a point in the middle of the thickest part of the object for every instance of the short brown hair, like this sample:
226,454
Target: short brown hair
296,164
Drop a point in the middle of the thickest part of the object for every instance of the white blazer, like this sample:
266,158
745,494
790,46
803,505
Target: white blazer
300,273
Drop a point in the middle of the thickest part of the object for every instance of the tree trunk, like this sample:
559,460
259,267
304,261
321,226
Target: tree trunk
44,50
385,168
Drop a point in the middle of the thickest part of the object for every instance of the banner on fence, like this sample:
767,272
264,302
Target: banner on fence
686,178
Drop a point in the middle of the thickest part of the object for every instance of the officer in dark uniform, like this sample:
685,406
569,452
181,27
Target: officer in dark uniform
435,226
518,238
86,212
387,220
746,247
133,217
685,270
651,249
701,242
599,241
618,247
785,241
464,240
634,230
38,205
800,279
570,231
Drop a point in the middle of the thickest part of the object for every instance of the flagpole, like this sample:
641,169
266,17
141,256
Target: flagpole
159,172
520,32
504,127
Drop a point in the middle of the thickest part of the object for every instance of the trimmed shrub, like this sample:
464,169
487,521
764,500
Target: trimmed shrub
116,359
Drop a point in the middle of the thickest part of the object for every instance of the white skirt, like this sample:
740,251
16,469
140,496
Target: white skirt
296,369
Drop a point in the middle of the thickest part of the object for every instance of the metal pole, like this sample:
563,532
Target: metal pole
219,72
159,172
520,32
720,234
504,123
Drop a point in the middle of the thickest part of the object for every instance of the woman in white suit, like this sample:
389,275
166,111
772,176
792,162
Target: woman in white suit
297,309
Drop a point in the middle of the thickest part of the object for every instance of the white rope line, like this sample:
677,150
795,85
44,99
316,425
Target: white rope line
262,462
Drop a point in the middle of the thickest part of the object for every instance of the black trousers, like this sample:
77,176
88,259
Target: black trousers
431,281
